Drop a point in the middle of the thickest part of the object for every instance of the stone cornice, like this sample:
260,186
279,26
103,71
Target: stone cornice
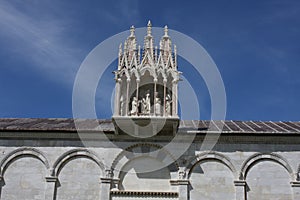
45,137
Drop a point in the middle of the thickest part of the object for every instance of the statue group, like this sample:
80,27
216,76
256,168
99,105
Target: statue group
143,107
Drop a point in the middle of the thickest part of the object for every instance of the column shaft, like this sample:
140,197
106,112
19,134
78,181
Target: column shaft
105,188
117,98
165,95
174,98
240,190
154,99
50,193
137,95
296,189
127,98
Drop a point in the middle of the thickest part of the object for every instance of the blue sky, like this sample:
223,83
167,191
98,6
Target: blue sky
255,44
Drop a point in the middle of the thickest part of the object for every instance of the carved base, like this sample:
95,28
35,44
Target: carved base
145,126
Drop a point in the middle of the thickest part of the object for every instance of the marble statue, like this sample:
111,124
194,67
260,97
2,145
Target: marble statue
150,74
157,107
146,105
122,103
134,106
168,105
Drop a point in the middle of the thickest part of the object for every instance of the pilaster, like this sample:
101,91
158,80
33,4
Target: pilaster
50,193
296,189
183,185
117,111
105,185
240,189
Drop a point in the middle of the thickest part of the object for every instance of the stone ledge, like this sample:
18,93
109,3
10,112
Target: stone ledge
144,193
295,183
240,183
109,180
180,182
51,179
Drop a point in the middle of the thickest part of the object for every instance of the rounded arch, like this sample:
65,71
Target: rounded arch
254,159
134,151
74,154
210,156
19,153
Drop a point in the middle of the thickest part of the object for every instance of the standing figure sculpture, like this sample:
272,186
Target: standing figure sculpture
168,105
122,103
146,104
157,105
134,106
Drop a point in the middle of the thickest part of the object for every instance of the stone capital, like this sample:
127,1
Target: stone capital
240,183
51,179
295,183
180,182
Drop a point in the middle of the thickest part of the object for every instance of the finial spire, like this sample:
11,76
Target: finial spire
132,30
166,31
120,49
149,27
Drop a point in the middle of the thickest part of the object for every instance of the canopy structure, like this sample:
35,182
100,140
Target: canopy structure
147,83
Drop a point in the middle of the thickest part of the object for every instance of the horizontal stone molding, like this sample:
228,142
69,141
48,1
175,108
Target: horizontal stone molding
180,182
51,179
295,183
240,183
143,193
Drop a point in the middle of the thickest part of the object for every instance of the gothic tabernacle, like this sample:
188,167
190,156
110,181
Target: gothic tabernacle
146,83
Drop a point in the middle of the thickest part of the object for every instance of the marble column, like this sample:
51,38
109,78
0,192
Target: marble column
154,97
117,97
165,95
296,189
127,97
50,193
240,190
2,183
174,98
105,185
183,186
137,93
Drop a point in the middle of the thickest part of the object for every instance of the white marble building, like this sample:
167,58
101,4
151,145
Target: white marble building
46,159
129,157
